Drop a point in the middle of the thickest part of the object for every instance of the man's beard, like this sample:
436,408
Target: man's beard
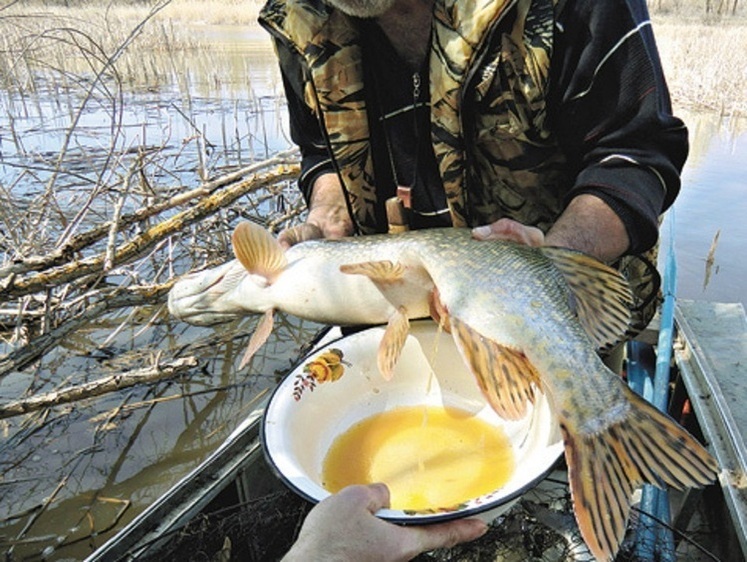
362,8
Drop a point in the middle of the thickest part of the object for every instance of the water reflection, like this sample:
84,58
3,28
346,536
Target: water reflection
72,474
713,201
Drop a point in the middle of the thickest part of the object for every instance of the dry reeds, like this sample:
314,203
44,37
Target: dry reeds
703,64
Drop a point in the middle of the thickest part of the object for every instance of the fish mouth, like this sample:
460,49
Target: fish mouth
195,297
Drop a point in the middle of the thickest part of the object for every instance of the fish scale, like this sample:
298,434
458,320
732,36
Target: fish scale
553,340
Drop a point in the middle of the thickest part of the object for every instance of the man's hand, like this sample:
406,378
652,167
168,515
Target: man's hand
587,225
328,215
343,527
509,229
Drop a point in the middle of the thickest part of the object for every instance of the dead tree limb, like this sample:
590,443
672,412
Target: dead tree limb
16,286
133,296
78,242
98,387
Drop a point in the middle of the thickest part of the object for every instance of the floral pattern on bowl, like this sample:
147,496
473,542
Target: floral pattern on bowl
325,367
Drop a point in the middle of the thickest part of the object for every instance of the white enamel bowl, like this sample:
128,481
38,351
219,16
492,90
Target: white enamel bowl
297,433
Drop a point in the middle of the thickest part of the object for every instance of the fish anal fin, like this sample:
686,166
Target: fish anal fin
261,332
505,376
258,251
380,272
601,295
607,465
390,347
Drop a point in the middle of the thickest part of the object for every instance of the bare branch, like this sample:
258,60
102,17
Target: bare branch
98,387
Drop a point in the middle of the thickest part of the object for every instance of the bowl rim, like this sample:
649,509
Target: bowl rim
391,515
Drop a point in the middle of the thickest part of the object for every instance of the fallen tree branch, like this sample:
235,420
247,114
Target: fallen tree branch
98,387
15,286
64,253
133,296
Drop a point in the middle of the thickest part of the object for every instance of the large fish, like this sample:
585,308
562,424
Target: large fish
523,319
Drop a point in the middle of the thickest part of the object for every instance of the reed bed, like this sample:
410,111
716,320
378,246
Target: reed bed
703,65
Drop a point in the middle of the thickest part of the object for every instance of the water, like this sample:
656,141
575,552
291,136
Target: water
713,201
76,473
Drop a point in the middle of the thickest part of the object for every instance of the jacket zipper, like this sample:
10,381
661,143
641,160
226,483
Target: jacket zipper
468,79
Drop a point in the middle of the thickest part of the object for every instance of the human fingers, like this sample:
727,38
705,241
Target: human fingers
378,495
509,229
299,233
445,535
373,496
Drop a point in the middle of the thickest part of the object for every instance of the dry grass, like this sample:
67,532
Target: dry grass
703,63
699,47
216,12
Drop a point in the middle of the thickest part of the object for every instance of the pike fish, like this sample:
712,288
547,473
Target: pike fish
524,320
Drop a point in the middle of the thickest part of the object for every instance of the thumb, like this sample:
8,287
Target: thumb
299,233
378,497
509,229
445,535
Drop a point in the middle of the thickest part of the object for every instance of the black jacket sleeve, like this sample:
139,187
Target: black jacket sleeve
610,107
305,128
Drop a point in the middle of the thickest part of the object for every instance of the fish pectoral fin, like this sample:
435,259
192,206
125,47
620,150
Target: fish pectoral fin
505,376
258,251
383,271
261,332
605,467
390,347
601,294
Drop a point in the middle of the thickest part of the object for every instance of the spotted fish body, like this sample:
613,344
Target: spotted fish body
524,319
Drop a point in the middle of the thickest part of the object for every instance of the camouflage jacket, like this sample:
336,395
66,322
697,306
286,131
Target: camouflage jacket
513,134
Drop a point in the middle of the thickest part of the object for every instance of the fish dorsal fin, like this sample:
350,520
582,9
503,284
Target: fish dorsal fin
602,296
505,376
390,347
383,271
607,463
258,251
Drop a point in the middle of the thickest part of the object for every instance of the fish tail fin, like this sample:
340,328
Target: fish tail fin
258,251
606,466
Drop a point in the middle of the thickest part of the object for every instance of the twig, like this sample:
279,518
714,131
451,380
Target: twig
116,215
98,387
133,296
123,410
140,244
76,243
109,64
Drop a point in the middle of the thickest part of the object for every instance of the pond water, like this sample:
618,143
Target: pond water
69,478
713,202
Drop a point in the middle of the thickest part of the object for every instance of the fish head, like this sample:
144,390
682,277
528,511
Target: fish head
217,295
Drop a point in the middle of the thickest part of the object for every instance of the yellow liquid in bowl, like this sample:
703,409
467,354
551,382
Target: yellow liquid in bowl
430,457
